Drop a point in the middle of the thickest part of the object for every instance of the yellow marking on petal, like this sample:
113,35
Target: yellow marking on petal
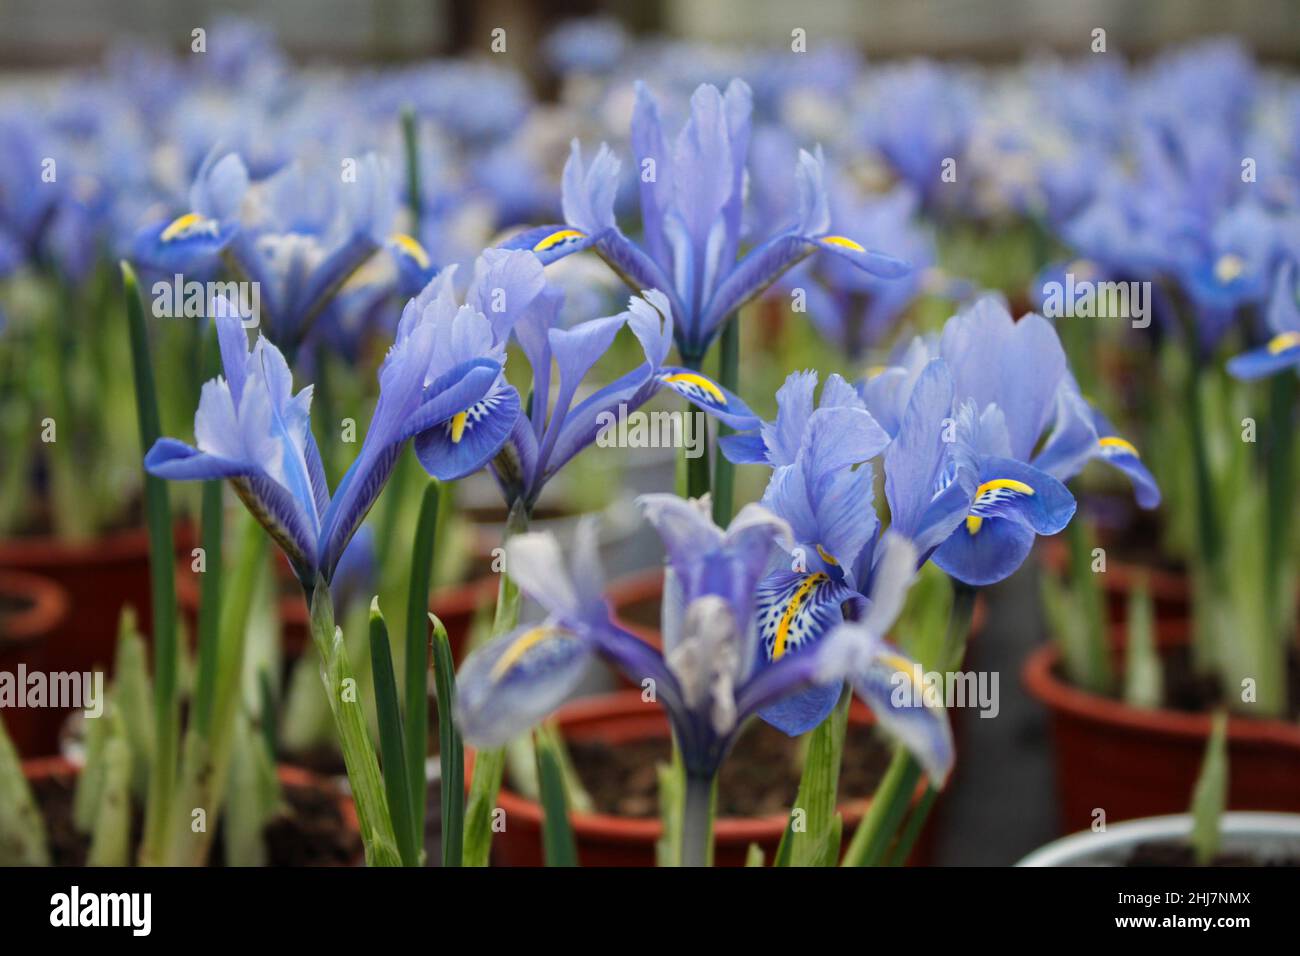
458,422
900,663
555,238
1119,444
827,556
1229,267
843,242
181,225
411,246
975,522
1282,342
521,646
874,370
787,618
700,382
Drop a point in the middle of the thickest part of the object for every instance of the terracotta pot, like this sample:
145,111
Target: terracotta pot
1132,762
607,840
100,577
44,768
39,610
455,606
1171,593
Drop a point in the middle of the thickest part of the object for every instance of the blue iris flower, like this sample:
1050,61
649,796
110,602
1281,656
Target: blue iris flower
987,423
692,198
1283,349
708,676
527,448
253,430
299,234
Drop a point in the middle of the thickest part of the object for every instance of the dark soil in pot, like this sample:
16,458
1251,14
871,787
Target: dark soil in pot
315,830
759,778
1162,853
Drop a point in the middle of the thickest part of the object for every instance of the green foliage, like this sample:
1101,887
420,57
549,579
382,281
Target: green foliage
1143,679
1211,793
558,843
22,830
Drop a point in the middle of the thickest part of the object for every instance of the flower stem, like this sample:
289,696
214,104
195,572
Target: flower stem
1282,390
724,472
697,820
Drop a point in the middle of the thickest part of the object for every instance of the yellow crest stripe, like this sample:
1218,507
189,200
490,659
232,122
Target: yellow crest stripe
973,521
844,242
411,246
458,422
1283,341
521,646
1118,444
791,610
180,224
700,382
555,238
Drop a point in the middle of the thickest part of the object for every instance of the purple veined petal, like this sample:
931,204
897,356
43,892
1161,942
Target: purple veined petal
738,106
1013,503
532,332
219,186
290,425
837,437
505,284
1121,454
535,562
453,391
639,662
656,179
757,270
638,270
515,465
845,516
176,461
893,687
703,168
1017,366
915,459
589,190
281,514
794,406
1279,355
510,684
793,612
1283,304
1072,441
471,438
585,421
182,244
684,525
232,342
575,350
746,449
707,395
650,317
874,263
328,277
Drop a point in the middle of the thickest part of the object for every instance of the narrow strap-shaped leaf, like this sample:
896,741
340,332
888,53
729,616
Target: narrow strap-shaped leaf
818,789
451,749
22,828
416,728
162,580
754,855
558,846
396,773
488,768
888,804
1211,793
724,471
211,516
912,828
111,838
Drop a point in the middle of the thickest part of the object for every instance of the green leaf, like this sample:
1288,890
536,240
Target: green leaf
451,749
22,828
131,696
209,606
1210,795
1143,680
672,794
754,855
110,843
558,844
396,772
416,729
163,587
489,766
818,789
